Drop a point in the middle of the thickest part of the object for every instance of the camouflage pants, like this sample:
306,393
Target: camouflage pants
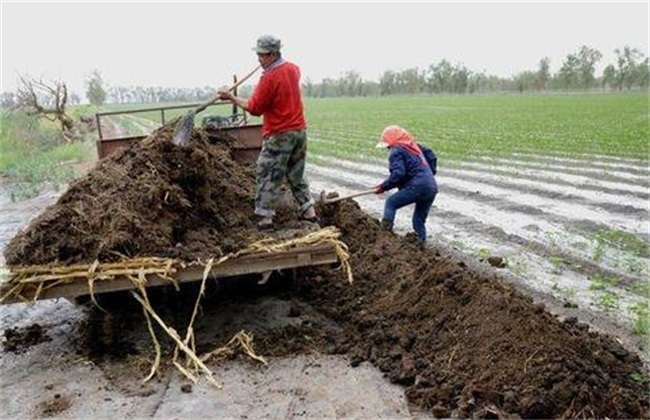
282,157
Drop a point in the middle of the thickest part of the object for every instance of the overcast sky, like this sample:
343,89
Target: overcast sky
198,44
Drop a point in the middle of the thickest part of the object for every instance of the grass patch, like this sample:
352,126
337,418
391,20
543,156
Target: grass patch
642,318
622,240
608,301
641,289
599,282
32,153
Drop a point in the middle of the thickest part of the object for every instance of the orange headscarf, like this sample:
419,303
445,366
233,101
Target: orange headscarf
394,135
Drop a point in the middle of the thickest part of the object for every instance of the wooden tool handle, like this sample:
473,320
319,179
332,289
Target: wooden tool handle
230,89
248,76
359,194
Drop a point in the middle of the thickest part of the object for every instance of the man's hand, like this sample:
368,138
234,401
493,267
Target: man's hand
378,189
225,95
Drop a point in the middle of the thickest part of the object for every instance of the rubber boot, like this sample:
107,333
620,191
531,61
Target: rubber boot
387,224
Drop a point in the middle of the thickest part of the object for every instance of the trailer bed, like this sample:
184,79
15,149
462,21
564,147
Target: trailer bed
264,262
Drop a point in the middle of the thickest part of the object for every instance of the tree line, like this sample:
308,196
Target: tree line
577,72
632,70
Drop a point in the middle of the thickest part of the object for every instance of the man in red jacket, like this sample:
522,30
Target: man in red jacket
277,98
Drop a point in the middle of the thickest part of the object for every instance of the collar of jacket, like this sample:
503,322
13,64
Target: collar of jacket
274,64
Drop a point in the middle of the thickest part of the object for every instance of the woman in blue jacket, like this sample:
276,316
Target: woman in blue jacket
412,171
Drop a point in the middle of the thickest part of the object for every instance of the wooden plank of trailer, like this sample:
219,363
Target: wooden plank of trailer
247,264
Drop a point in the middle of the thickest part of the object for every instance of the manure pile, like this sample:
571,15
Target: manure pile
461,342
151,199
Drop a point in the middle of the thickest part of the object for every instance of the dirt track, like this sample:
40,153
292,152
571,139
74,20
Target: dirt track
461,341
64,383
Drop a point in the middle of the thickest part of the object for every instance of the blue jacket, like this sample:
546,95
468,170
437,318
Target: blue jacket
408,170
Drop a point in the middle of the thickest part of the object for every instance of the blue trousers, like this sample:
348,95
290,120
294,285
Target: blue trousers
422,196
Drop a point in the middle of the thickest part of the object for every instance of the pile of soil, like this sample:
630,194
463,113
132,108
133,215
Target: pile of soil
151,199
461,341
466,343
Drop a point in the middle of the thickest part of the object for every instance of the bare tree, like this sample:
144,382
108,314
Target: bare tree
47,100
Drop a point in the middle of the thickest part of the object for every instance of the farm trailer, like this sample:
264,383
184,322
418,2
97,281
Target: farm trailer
245,151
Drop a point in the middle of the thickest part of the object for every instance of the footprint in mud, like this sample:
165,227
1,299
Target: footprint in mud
17,340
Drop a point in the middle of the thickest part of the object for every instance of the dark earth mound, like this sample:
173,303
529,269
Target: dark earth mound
463,343
151,199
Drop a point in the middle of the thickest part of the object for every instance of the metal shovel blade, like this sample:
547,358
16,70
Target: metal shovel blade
183,130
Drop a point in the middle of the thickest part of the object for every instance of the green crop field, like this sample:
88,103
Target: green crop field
460,127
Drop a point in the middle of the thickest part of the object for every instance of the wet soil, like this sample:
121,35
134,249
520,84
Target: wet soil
54,406
465,342
17,340
462,342
556,232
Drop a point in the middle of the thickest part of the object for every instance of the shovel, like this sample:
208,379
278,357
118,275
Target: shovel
325,200
186,124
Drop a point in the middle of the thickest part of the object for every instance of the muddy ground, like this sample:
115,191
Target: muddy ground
550,227
459,341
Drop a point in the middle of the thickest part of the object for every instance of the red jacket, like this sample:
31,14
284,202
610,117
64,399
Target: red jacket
277,97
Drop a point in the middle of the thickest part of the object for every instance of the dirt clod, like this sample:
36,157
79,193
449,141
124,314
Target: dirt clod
496,261
17,340
54,406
